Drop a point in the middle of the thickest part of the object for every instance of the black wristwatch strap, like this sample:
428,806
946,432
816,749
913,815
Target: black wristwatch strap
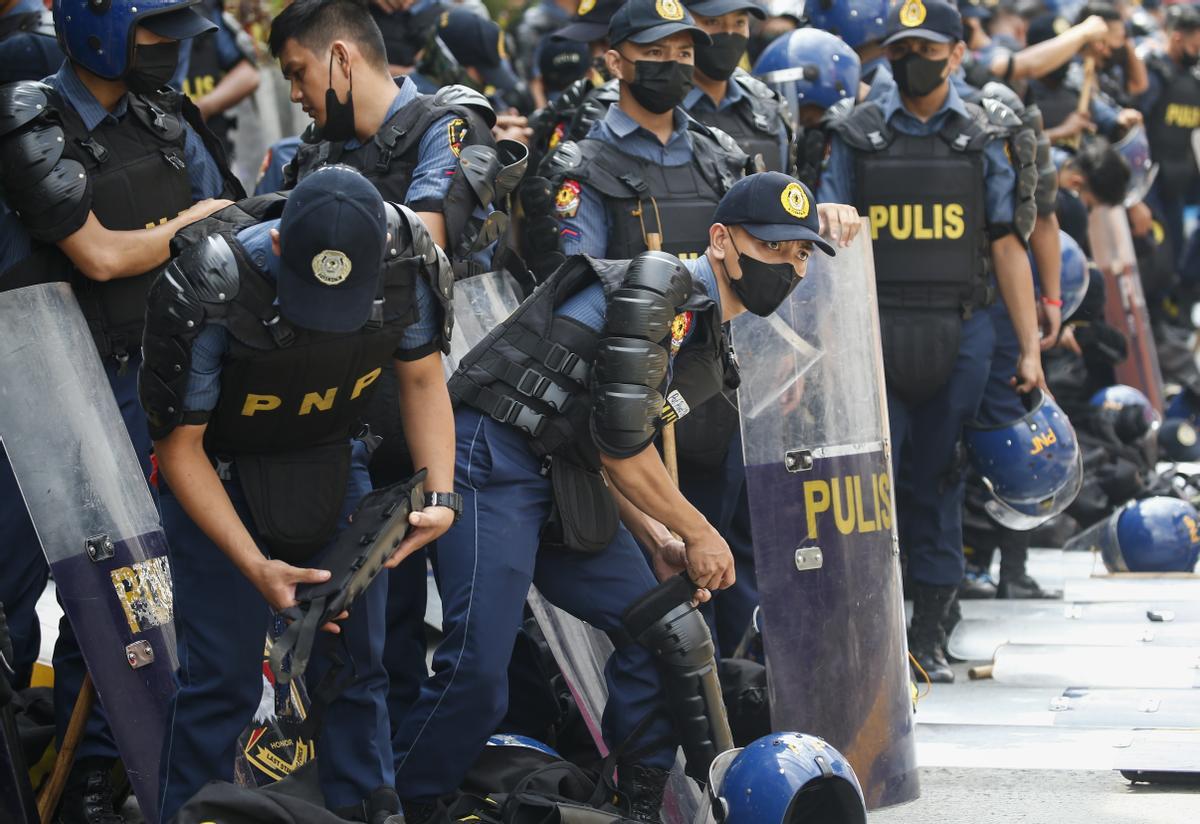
450,500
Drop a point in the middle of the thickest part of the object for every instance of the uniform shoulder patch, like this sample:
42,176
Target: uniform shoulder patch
566,201
680,327
457,133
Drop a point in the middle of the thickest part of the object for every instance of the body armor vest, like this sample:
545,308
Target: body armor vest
1169,127
925,200
753,122
138,179
533,370
204,73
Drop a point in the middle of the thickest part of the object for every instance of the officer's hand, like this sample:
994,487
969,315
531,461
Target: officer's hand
203,208
1076,123
1067,340
512,126
709,561
1094,28
1050,321
1029,374
839,221
1141,220
277,582
668,557
1128,118
428,524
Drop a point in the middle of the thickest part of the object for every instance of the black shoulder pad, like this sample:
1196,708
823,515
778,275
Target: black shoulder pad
160,112
55,206
22,103
411,239
480,165
28,155
240,215
973,132
753,85
471,99
207,270
864,128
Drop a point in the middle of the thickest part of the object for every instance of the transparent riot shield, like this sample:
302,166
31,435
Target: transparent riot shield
819,479
94,516
1124,302
480,303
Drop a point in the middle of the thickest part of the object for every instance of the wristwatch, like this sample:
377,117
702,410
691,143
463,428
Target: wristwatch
450,500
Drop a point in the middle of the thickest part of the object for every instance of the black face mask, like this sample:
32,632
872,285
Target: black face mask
601,68
720,59
339,116
763,287
660,85
917,76
1189,60
154,65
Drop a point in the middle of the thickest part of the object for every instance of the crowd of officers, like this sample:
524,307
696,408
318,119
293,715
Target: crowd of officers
444,145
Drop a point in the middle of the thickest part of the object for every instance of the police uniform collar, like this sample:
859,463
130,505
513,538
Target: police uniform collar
622,125
733,93
405,93
705,277
893,104
67,83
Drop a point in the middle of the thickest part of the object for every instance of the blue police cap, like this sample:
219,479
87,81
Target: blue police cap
934,20
590,21
773,206
333,233
716,8
648,21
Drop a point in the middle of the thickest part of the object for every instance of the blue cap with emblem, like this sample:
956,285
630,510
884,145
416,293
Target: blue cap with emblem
333,233
716,8
648,21
773,207
934,20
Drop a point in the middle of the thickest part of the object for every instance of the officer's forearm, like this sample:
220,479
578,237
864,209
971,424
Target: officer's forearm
644,481
428,419
241,82
105,254
435,222
1015,279
1137,79
194,483
1047,253
1042,58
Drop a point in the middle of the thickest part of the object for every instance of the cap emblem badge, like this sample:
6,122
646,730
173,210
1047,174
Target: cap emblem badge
794,201
912,13
331,267
585,6
669,9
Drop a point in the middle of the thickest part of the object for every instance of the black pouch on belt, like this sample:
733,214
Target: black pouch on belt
583,517
920,348
296,497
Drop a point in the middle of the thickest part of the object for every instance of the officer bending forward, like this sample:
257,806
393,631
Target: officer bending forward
261,350
557,411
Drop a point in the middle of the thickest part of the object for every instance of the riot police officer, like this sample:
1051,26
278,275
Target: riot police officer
539,413
286,318
939,191
28,50
726,96
860,23
537,23
221,72
102,165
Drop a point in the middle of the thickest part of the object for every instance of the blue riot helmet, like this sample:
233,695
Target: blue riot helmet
98,34
522,742
1130,413
785,778
1135,148
1032,467
1151,535
1075,274
858,22
810,67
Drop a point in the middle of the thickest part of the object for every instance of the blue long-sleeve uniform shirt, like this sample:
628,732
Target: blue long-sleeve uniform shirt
202,170
1000,179
210,346
586,231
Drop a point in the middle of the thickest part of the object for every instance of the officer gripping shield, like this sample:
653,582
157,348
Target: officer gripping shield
84,488
818,469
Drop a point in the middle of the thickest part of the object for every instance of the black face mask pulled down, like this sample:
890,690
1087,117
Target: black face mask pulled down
339,116
720,59
763,287
660,85
153,67
917,76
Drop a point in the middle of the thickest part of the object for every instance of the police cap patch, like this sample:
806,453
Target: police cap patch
331,267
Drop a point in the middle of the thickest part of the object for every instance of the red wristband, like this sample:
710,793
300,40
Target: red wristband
1052,302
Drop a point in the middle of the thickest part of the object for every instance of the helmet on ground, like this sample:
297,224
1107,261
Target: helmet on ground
1151,535
99,34
785,778
1132,416
810,67
523,742
1075,274
1032,467
855,21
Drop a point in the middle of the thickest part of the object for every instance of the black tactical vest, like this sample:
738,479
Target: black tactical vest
753,122
1170,124
924,197
643,197
204,73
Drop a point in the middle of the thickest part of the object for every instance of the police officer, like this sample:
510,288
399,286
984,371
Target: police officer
726,96
101,167
939,191
221,71
478,45
646,168
1172,110
860,23
290,322
538,414
28,49
533,29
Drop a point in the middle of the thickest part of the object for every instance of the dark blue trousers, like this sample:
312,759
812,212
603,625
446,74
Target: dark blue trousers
485,564
25,571
405,647
221,621
1001,402
929,494
720,495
